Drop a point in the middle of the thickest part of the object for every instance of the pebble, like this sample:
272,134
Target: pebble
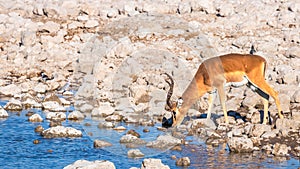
184,161
134,133
39,129
36,141
146,130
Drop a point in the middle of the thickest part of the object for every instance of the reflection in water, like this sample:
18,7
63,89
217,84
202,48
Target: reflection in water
18,151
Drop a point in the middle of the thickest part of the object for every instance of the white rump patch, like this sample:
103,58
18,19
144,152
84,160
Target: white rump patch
238,84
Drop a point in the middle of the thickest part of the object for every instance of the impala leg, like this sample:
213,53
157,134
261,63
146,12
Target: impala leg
263,85
222,96
211,99
266,109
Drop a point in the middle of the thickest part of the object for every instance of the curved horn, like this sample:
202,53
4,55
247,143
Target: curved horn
170,92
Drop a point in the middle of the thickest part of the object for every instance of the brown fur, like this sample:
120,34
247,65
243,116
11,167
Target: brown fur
212,75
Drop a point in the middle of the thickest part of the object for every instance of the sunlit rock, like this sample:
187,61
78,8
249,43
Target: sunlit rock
76,115
84,164
61,131
3,112
35,118
101,143
135,153
153,163
13,105
240,144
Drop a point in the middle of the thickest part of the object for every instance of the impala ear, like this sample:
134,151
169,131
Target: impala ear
179,102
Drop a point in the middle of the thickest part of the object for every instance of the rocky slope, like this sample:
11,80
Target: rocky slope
113,52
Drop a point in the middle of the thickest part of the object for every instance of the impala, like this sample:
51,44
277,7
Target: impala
212,77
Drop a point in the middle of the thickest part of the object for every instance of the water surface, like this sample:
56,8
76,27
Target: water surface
18,151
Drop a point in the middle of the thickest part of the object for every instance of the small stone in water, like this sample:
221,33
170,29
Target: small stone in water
173,157
54,123
101,143
161,129
36,141
184,161
146,130
134,133
87,124
177,148
90,134
120,128
30,113
135,153
38,129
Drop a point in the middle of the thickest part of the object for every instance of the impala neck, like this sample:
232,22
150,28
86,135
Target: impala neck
190,96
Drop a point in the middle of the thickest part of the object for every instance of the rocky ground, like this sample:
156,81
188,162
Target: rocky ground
106,58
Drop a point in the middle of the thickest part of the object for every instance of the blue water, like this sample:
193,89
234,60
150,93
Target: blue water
18,151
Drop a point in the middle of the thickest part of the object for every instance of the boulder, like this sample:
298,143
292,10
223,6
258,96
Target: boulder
135,153
30,101
114,117
84,164
164,141
76,115
203,123
297,151
61,131
56,116
40,88
3,112
285,124
152,163
296,115
259,129
35,118
293,52
52,97
104,110
91,23
53,106
240,144
285,100
281,149
238,132
88,88
13,105
296,97
184,8
86,108
101,143
106,124
270,134
10,90
50,26
256,117
128,138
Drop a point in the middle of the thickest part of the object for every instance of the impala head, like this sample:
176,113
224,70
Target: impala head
172,107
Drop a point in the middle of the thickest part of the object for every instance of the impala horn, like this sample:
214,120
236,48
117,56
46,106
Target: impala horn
170,92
